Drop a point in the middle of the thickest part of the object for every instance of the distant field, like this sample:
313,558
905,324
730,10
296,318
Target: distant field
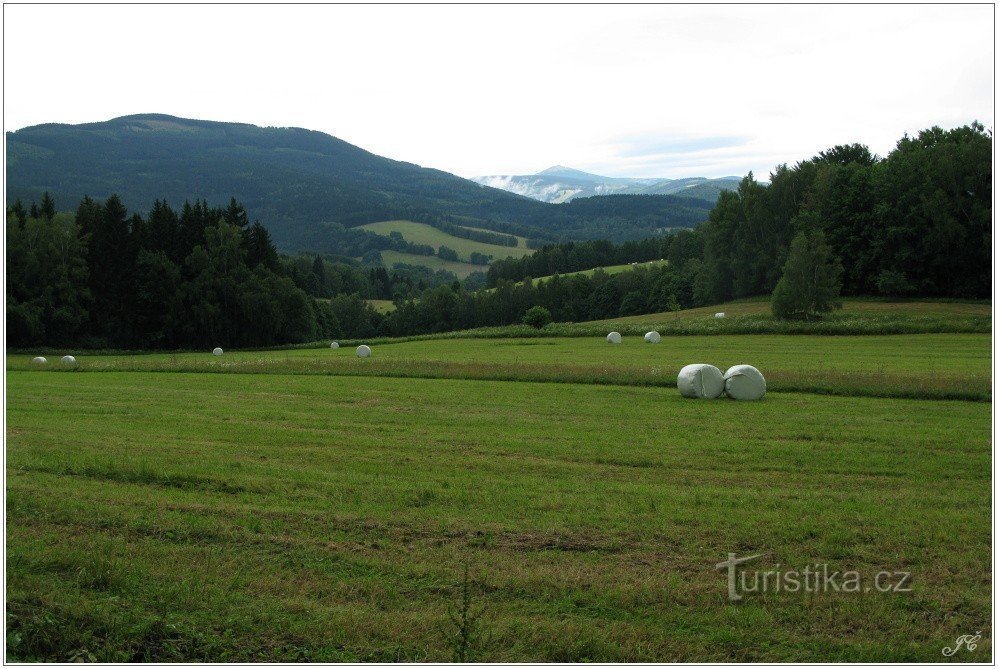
382,306
240,517
420,233
461,269
866,306
611,269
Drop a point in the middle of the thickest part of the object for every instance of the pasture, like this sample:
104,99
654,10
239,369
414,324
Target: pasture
304,504
421,233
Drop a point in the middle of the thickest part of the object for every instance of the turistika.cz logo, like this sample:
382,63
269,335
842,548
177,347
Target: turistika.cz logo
816,578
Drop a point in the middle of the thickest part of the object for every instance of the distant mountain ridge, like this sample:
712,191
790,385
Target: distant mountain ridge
309,188
561,184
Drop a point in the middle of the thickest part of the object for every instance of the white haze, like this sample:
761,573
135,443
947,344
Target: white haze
666,91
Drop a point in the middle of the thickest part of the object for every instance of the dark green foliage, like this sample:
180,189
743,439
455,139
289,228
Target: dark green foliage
47,281
298,182
917,222
447,253
811,283
537,317
165,281
47,208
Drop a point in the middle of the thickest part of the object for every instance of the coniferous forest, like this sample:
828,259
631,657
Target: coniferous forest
914,223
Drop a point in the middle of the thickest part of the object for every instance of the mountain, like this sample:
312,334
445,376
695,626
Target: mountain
307,187
560,184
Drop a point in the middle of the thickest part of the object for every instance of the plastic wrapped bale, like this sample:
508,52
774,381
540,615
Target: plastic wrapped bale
39,360
68,360
653,337
613,337
700,381
334,345
363,351
744,382
217,351
719,314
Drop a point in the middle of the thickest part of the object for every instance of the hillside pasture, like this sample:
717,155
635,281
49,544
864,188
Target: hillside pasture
421,233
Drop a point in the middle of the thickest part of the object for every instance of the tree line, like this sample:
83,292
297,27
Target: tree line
915,223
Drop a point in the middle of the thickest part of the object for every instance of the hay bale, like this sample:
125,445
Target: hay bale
68,360
39,360
217,351
363,351
653,337
334,345
744,382
613,337
700,381
719,314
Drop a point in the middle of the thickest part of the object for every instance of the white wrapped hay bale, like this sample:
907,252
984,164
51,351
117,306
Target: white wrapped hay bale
363,351
700,381
217,351
334,345
653,337
719,314
744,382
68,360
613,337
39,360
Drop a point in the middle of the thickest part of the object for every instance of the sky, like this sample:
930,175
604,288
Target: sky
651,91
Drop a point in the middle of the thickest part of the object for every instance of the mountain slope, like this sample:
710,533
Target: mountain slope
305,186
561,184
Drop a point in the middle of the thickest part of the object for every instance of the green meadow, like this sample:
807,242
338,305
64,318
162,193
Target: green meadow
307,505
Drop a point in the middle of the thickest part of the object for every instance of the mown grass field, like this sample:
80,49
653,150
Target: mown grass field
305,504
421,233
263,517
936,366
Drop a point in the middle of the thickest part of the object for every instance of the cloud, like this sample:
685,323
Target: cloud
636,146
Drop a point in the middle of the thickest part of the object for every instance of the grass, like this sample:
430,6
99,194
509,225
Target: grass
421,233
248,517
852,306
382,306
940,366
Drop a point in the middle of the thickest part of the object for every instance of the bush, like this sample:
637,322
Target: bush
537,317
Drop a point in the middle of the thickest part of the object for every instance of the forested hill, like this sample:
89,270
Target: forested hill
297,181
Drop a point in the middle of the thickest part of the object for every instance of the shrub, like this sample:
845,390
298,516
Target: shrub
537,317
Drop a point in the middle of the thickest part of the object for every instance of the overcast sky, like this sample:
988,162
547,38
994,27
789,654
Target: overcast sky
623,91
